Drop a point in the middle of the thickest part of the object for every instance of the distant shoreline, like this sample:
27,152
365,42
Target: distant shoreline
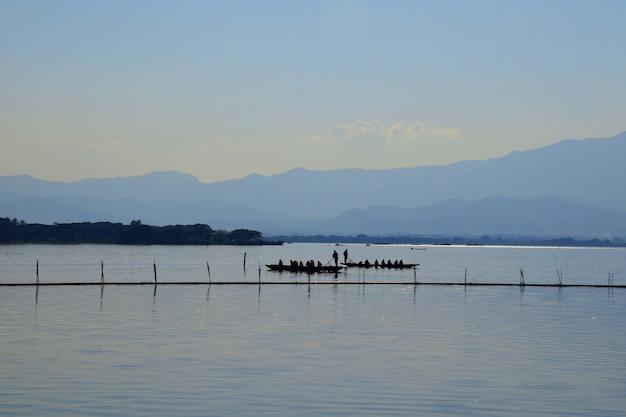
13,231
484,240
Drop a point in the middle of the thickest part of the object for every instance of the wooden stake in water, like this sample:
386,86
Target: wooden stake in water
521,277
37,271
208,269
244,260
465,276
101,271
155,272
559,274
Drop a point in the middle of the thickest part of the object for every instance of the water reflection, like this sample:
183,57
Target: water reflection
329,349
367,353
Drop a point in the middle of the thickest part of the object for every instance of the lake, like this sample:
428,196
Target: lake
284,350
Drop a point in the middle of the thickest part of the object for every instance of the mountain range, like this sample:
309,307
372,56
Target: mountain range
572,188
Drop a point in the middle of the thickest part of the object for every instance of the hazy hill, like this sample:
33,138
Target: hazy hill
65,209
574,187
168,185
586,171
548,216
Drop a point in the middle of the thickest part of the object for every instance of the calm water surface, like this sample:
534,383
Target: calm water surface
233,350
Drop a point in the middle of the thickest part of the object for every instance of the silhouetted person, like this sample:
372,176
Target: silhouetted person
336,257
345,256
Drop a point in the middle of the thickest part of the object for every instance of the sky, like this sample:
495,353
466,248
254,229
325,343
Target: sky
224,89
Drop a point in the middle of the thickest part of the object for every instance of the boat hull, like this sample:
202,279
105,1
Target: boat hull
328,269
381,266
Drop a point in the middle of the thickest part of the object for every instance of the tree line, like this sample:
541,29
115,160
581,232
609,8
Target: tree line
452,240
135,233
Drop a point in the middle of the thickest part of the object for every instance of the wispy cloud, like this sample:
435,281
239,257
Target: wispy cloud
375,132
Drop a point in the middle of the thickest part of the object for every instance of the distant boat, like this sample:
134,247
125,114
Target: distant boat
303,268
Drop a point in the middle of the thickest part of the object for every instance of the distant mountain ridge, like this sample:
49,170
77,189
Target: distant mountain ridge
573,188
548,216
149,187
571,170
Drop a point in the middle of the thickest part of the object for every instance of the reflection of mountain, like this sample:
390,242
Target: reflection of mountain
571,188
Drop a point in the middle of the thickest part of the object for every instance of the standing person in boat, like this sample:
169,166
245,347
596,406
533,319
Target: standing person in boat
345,256
336,257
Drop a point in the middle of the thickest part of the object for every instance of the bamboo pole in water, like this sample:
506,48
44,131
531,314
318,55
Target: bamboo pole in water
609,283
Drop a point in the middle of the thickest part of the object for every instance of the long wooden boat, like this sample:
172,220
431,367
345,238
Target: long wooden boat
386,265
307,269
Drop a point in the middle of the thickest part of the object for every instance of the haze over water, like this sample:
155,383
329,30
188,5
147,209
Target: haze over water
311,350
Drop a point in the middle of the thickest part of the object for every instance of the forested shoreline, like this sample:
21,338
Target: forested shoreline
136,233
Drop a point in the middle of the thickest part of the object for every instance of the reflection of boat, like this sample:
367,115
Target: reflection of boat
304,268
376,264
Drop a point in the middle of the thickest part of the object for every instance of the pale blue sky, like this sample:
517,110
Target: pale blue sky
222,89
